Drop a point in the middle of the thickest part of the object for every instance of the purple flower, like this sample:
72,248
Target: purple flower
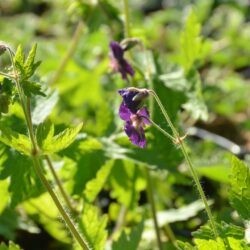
118,63
132,98
135,124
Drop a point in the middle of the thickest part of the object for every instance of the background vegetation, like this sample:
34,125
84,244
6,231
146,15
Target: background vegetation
196,56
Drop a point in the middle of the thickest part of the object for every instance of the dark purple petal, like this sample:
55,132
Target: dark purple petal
136,136
118,62
143,112
124,112
117,51
128,96
127,68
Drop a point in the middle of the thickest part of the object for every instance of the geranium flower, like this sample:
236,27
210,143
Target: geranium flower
135,124
118,63
133,97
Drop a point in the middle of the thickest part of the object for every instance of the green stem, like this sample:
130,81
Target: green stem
7,75
60,186
170,234
188,160
161,130
25,103
30,127
66,217
126,19
119,222
153,209
69,53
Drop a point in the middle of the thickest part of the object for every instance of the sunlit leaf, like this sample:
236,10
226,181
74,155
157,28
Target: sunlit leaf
58,142
12,246
93,226
43,107
94,186
47,215
131,240
15,140
127,181
240,188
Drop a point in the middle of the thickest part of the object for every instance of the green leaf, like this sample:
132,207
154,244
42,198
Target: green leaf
229,236
195,104
93,227
210,244
83,152
94,186
31,88
191,42
184,246
19,142
47,215
6,89
240,188
23,182
43,107
8,223
12,246
51,144
4,194
196,107
225,230
129,241
30,66
127,180
26,70
19,59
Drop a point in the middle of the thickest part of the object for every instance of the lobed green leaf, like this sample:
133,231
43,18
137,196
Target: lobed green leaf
93,227
51,144
240,188
94,186
19,142
129,241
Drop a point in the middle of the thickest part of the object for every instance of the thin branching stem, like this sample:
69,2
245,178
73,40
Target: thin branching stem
60,185
66,217
188,160
153,209
127,32
34,154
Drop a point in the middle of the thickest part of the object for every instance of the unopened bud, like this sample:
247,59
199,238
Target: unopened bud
129,43
3,48
142,94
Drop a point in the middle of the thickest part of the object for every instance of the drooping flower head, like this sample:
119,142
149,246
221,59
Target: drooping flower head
135,124
118,63
133,97
135,116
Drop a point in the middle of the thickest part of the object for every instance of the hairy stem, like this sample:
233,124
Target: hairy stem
188,160
160,129
69,53
127,33
60,186
25,103
66,217
170,234
153,209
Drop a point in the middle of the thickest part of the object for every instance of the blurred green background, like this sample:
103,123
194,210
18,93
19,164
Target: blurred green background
201,70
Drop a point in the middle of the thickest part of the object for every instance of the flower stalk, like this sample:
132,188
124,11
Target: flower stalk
25,103
179,141
127,33
153,209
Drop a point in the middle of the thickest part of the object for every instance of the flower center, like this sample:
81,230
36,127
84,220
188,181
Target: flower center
137,121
